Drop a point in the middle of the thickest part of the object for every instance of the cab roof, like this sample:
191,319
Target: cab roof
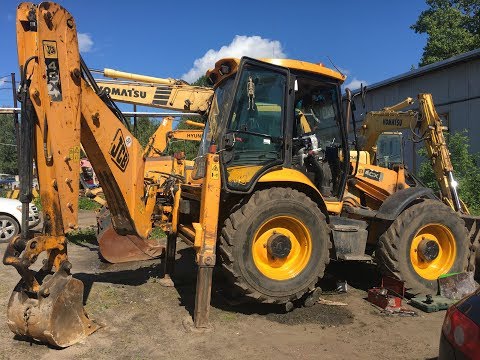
217,74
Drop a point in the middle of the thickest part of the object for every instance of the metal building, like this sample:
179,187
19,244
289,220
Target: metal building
455,86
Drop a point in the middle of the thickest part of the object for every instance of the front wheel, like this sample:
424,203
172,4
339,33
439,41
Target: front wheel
276,246
426,241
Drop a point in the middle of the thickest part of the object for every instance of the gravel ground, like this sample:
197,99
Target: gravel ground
144,320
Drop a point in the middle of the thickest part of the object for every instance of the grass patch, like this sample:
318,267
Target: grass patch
228,316
36,201
157,233
83,236
84,203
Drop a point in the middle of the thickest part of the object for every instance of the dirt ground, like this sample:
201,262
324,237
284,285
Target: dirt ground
144,320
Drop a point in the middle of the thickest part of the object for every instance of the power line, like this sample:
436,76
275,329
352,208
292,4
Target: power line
8,144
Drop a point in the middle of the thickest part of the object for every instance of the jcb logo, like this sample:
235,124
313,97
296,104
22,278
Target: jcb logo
118,151
50,50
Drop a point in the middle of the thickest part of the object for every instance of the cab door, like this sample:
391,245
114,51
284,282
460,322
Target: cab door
255,138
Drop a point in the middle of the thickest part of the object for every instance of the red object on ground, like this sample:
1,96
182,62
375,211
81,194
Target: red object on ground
389,295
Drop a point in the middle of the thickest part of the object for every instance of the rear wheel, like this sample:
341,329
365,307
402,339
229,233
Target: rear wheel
8,228
427,240
276,246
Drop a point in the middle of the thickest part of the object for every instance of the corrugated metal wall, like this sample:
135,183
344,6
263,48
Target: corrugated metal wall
456,94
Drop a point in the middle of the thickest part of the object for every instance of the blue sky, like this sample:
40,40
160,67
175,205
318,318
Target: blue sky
370,40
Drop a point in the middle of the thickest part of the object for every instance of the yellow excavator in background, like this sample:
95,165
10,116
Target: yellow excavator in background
155,92
425,126
272,198
379,173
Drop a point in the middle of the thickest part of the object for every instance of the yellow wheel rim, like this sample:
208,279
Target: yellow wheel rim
298,257
442,239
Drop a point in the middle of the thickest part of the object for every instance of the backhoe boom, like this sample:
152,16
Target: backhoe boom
64,110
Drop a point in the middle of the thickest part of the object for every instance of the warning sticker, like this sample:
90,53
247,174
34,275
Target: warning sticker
215,172
74,153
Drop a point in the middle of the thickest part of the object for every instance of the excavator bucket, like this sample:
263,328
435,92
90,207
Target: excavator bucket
116,248
54,315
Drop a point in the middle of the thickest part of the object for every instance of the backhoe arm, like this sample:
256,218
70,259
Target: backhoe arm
60,110
69,111
431,130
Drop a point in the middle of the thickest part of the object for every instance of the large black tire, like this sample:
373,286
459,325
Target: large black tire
393,253
237,238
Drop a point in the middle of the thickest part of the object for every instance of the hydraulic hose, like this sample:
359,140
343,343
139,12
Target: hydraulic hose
26,152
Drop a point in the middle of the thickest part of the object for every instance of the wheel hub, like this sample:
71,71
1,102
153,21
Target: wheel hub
279,246
428,249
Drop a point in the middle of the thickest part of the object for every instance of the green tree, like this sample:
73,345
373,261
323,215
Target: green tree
452,27
202,81
145,128
8,152
465,170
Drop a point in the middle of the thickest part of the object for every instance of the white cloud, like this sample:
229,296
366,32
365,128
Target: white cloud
85,42
355,84
3,80
253,46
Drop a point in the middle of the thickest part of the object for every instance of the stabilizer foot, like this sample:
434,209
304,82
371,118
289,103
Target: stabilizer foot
190,326
166,281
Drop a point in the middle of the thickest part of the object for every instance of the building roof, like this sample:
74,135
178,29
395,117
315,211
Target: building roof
474,54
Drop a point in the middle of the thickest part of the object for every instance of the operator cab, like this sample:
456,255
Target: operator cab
274,114
389,149
317,140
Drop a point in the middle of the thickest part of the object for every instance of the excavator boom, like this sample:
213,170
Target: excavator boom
156,92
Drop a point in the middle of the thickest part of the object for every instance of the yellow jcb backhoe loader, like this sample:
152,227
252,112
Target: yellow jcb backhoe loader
269,189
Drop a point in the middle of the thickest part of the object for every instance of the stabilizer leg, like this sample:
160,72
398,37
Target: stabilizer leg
169,266
203,296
